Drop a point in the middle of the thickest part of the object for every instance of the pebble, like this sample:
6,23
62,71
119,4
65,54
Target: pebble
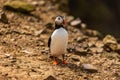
92,33
118,47
7,55
99,44
75,58
78,63
81,39
37,3
83,26
13,61
89,67
26,51
81,50
42,2
75,22
96,50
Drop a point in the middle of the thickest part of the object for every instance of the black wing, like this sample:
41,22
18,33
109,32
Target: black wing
49,41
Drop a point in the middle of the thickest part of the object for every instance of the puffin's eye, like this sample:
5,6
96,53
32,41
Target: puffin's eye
58,18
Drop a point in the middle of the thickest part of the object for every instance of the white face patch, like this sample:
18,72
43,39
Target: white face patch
59,20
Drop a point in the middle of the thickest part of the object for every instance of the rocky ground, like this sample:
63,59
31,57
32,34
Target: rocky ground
24,54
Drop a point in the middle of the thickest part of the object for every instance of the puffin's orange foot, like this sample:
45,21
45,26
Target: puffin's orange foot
55,62
64,62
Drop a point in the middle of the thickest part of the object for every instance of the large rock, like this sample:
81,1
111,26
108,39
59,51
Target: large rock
107,18
109,39
19,6
110,43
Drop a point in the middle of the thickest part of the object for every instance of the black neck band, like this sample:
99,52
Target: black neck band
58,26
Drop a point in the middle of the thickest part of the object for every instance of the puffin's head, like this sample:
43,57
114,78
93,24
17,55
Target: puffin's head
59,20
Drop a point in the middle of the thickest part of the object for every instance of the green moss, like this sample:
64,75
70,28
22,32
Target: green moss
19,6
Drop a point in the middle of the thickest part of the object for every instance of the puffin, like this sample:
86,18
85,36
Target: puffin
58,41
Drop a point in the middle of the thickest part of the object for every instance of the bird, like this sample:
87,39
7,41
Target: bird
58,40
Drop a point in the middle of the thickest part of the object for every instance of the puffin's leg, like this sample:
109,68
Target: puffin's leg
63,59
54,60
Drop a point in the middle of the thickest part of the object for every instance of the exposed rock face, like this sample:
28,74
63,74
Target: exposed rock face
101,15
19,6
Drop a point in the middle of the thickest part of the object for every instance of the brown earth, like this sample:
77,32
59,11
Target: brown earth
24,54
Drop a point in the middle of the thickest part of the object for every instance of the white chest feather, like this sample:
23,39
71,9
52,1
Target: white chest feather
59,40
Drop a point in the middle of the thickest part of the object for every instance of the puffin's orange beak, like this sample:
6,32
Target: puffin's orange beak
65,22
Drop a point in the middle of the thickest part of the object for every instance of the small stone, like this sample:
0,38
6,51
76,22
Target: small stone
78,63
26,51
13,61
37,3
90,44
41,2
75,58
84,45
92,33
81,51
7,55
96,50
83,25
93,39
96,33
78,49
89,67
75,22
34,3
118,48
99,44
3,17
80,39
42,57
50,77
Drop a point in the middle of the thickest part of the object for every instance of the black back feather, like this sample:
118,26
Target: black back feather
49,41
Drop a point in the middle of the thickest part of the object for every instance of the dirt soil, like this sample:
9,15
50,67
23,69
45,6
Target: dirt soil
24,54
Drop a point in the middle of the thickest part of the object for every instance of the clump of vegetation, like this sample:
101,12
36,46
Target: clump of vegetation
19,6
